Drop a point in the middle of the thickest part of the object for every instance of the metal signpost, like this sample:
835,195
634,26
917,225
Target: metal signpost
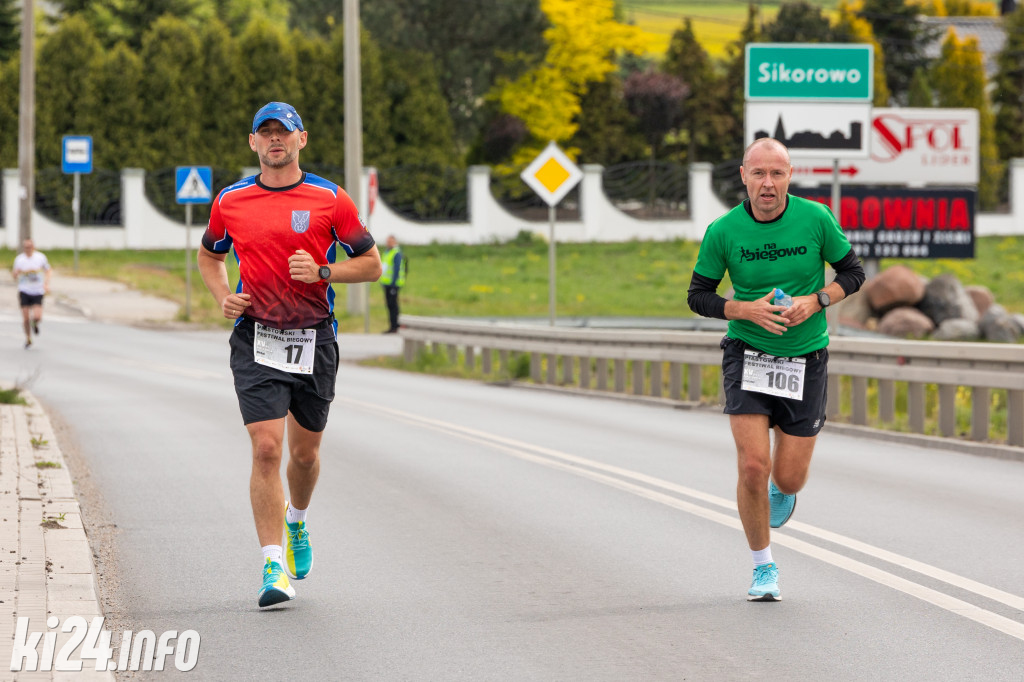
76,158
551,175
371,202
192,185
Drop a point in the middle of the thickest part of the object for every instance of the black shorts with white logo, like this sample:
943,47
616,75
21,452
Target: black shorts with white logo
794,417
268,393
29,300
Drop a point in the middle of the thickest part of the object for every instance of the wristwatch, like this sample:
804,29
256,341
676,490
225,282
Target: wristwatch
823,299
325,271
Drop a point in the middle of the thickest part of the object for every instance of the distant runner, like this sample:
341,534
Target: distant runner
32,272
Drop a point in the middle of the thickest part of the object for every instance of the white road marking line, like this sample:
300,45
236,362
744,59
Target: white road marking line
571,463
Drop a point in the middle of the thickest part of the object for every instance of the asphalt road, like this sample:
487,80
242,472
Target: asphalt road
472,532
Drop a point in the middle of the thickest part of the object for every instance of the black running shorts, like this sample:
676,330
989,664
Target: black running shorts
29,300
268,393
794,417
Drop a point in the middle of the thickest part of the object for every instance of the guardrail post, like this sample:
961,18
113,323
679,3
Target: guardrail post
584,372
470,357
859,401
568,362
408,351
552,369
886,401
486,356
695,392
947,410
979,413
620,375
638,377
535,367
915,406
1015,418
602,374
453,353
675,380
503,363
656,378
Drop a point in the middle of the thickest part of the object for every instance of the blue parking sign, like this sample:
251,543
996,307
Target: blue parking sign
76,154
193,184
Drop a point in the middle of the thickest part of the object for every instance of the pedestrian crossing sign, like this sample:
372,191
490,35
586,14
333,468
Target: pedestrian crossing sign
193,184
552,174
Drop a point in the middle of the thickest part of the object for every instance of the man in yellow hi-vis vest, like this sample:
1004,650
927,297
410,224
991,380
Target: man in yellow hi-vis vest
393,278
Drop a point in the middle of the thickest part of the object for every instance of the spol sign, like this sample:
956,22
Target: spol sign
810,72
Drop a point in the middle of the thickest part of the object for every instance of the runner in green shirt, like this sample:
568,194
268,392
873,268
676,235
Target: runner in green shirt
775,357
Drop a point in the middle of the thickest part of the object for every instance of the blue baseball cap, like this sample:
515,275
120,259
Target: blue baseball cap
285,113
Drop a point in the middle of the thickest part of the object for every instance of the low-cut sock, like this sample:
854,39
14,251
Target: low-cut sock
762,556
274,553
294,515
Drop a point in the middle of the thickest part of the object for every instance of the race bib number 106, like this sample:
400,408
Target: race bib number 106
289,350
784,377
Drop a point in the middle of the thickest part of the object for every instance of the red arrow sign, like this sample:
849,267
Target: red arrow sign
823,170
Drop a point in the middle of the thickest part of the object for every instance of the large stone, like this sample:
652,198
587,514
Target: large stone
906,322
998,325
892,288
1018,319
945,298
957,329
982,297
854,311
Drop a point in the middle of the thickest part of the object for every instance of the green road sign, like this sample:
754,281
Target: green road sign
831,72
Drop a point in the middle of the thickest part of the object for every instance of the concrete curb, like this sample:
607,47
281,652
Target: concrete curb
44,571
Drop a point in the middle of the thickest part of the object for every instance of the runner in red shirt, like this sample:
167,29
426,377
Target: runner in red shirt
285,226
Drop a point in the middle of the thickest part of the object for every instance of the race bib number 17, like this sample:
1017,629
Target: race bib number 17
289,350
784,377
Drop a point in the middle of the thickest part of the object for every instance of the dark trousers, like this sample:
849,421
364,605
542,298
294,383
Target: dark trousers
391,298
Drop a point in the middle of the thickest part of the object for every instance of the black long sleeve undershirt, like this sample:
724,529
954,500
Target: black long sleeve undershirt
703,299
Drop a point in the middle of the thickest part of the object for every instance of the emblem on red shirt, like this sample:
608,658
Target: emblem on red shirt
300,221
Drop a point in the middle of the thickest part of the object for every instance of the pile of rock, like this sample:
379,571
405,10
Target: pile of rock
899,302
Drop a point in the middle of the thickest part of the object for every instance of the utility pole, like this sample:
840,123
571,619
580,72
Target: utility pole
357,293
26,122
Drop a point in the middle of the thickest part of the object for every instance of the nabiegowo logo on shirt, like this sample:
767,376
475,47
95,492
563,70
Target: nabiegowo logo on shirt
300,221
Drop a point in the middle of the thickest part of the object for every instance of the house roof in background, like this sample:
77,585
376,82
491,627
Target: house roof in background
988,30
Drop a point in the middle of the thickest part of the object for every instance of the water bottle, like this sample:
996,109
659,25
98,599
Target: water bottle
782,298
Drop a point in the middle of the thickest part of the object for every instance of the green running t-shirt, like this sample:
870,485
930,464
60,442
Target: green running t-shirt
789,252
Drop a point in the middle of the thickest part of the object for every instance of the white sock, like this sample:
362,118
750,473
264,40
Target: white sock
762,556
272,552
294,515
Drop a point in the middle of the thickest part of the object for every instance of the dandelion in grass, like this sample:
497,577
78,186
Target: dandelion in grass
481,289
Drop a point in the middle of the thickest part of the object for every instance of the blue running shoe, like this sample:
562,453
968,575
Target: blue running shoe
766,584
276,588
782,505
298,554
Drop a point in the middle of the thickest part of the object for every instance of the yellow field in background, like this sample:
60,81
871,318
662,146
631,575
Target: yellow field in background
716,23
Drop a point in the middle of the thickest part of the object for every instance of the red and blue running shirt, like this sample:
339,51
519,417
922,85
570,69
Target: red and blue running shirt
266,225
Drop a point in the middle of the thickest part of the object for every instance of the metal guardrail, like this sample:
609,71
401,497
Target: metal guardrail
654,364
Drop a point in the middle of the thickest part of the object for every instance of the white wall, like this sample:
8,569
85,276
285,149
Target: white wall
145,228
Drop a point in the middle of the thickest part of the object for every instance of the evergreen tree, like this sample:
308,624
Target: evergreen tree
732,92
798,22
706,124
117,110
171,60
959,77
903,38
920,94
1008,95
852,28
225,113
607,133
9,98
268,52
65,65
10,29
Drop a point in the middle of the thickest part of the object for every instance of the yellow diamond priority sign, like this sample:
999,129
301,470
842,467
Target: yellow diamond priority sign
552,174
